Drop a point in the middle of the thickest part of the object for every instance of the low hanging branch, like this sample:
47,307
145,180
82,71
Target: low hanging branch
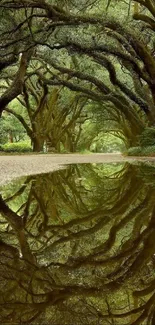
21,120
16,87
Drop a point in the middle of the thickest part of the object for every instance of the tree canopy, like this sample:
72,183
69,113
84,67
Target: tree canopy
98,53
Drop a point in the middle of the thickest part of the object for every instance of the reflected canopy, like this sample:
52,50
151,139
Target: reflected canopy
78,247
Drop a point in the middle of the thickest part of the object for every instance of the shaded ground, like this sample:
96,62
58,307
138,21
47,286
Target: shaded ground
16,166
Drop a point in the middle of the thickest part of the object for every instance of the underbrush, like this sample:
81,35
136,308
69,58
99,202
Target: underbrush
142,151
16,147
85,151
145,144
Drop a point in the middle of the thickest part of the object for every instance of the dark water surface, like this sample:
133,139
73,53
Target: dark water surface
77,247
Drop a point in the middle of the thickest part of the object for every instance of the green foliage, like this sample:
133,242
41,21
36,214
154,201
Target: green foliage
9,125
147,138
16,147
134,151
95,138
106,142
85,152
142,151
94,56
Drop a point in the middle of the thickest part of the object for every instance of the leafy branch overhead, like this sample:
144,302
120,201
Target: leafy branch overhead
83,47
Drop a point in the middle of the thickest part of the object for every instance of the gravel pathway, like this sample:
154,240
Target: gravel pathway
16,166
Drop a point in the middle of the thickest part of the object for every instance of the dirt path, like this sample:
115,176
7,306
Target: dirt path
16,166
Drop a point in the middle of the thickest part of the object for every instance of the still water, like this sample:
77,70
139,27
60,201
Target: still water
77,247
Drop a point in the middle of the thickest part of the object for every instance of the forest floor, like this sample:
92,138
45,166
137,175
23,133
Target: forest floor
16,166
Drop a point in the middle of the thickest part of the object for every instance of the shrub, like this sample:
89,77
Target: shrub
142,151
134,151
148,151
147,138
17,147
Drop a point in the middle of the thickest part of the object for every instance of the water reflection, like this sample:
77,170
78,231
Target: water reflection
78,247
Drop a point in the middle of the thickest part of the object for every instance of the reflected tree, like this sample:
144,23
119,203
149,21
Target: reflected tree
79,244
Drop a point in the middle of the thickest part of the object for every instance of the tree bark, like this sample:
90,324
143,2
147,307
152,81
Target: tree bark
17,85
37,144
